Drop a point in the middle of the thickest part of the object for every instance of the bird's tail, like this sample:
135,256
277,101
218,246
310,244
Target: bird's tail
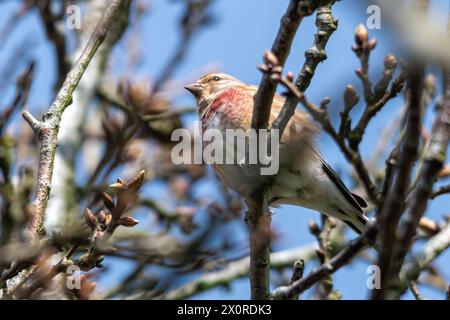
358,223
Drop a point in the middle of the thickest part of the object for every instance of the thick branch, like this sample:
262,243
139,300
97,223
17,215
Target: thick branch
258,215
395,201
417,201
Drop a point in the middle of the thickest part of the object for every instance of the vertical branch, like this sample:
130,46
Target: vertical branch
259,216
259,219
47,129
280,48
395,201
435,156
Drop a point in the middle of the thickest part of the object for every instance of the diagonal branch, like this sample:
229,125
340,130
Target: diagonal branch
326,25
240,268
47,129
431,250
335,263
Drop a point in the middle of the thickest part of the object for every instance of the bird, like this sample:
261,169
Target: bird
303,179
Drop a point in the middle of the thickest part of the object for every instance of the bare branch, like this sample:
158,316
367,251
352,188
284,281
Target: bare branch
440,191
240,268
258,215
338,261
395,200
415,291
434,157
49,127
432,249
326,25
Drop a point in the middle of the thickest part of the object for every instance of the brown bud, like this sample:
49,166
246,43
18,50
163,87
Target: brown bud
325,102
270,58
359,72
108,201
313,227
361,35
290,76
117,186
127,221
108,218
390,62
263,67
275,76
372,43
136,183
91,220
350,96
429,226
101,215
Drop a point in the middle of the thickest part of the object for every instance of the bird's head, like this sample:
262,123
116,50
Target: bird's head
211,85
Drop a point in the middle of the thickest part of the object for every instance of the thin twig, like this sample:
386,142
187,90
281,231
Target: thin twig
240,268
415,291
326,25
338,261
431,250
440,191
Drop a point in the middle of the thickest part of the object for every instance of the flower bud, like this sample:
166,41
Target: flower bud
325,102
91,220
136,183
361,35
117,186
390,62
270,58
101,216
372,43
108,218
127,221
290,76
350,96
108,201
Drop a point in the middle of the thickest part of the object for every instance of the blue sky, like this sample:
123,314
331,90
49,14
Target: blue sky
234,44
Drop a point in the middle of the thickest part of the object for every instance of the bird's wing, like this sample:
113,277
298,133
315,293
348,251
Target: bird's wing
356,201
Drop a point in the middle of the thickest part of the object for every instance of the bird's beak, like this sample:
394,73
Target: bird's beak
194,88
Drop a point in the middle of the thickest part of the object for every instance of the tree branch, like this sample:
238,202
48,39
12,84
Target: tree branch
395,202
432,249
48,129
326,25
258,216
240,268
334,264
434,157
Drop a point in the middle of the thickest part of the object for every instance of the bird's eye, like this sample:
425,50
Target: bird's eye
216,78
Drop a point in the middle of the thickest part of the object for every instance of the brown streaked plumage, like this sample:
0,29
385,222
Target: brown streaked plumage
303,179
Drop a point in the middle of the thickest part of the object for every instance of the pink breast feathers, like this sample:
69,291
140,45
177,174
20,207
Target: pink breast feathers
228,103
